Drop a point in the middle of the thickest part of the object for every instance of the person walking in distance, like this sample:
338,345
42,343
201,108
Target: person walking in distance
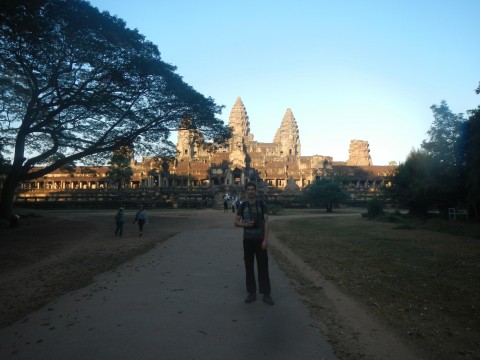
141,217
119,221
252,216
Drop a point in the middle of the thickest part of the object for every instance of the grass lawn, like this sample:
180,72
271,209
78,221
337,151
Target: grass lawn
420,277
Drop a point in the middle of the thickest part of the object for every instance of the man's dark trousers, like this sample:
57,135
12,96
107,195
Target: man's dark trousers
253,249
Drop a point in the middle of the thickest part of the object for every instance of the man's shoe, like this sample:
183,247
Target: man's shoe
268,299
250,298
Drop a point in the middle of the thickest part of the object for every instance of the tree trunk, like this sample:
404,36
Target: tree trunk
7,196
475,207
329,207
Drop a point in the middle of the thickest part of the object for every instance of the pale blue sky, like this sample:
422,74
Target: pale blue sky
367,70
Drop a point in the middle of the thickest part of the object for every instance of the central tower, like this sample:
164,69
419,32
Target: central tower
287,137
241,136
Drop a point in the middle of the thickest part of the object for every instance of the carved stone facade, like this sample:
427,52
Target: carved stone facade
287,136
278,164
245,159
359,153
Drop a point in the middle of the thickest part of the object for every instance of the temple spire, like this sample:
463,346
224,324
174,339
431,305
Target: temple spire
239,119
240,125
287,135
359,153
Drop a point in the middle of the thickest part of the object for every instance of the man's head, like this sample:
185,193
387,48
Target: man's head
250,183
251,190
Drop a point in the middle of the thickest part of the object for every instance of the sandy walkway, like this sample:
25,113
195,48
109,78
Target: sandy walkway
181,300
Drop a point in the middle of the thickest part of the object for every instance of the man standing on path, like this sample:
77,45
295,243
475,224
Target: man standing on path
252,215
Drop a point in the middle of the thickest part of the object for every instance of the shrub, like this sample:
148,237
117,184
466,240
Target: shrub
274,209
374,208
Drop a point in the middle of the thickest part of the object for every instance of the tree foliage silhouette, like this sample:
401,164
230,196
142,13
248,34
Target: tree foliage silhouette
77,82
120,172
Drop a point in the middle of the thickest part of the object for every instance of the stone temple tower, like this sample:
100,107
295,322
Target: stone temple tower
287,136
359,153
188,139
241,136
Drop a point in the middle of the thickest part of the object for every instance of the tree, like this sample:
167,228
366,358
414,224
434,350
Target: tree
67,168
77,82
434,177
472,146
411,185
325,193
4,164
375,208
445,137
120,172
446,147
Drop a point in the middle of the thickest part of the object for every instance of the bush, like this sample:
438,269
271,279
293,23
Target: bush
375,208
274,209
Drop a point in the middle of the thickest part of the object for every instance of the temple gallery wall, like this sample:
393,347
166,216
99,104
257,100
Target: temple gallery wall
275,166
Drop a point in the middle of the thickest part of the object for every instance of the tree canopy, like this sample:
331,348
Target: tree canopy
445,143
77,82
472,160
446,171
412,185
325,193
120,171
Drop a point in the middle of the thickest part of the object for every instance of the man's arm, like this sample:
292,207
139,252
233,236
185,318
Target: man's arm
238,221
265,235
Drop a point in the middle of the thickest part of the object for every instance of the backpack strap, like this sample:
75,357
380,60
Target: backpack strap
244,204
262,208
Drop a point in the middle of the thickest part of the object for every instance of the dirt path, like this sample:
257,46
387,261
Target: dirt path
38,262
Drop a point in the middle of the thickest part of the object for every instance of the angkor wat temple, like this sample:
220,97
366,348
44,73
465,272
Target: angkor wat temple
276,166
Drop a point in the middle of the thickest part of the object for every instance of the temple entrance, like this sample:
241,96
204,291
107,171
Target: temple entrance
237,176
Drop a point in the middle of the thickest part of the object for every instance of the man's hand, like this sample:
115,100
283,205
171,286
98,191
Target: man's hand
251,223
